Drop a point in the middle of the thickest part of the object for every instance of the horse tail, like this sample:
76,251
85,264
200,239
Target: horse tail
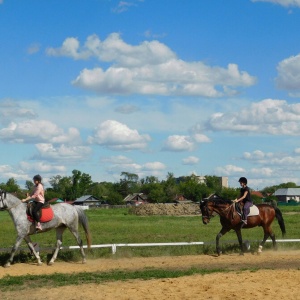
83,220
280,220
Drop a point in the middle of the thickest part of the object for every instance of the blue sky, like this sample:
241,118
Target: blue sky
150,87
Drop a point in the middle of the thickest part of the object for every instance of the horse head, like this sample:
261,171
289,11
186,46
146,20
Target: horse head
211,206
3,204
205,211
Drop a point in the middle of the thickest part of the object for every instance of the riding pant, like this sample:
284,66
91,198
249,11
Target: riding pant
246,208
36,208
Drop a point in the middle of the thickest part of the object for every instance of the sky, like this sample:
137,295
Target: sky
204,87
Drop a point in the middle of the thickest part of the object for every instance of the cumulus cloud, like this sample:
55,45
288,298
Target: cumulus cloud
274,159
282,2
117,164
41,167
62,153
288,74
180,143
36,131
9,109
191,160
149,68
118,136
274,117
229,170
154,166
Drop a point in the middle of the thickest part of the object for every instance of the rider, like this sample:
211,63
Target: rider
245,197
38,196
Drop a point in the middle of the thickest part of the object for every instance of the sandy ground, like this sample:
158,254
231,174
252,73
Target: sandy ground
272,275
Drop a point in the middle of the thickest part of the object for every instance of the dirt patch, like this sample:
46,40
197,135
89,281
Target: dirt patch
272,275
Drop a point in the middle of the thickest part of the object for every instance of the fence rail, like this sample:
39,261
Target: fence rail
115,246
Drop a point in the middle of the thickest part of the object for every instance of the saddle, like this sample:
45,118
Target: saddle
253,210
45,213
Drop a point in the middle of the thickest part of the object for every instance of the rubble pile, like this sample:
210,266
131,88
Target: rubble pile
167,209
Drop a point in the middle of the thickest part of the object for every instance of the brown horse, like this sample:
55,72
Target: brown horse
230,219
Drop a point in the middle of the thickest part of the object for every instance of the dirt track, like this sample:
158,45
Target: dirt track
272,275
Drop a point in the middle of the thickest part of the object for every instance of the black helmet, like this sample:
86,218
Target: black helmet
243,180
37,178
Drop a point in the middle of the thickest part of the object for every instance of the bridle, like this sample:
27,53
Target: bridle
3,204
207,212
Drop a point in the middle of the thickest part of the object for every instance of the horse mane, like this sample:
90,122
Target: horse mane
216,199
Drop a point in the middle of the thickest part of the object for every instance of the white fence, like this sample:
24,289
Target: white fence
115,246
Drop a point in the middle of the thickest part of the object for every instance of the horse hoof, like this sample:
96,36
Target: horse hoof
50,263
40,264
7,265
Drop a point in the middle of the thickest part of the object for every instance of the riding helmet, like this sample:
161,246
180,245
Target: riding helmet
243,180
37,178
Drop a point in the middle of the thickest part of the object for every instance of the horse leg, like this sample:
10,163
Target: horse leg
240,239
59,233
31,247
219,235
267,233
79,242
13,251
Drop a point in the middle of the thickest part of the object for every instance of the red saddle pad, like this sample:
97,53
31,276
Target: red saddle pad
46,216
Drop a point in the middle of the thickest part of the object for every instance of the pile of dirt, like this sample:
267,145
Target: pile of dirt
167,209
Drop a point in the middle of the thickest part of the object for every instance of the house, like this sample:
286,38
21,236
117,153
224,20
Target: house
87,200
135,199
288,195
181,199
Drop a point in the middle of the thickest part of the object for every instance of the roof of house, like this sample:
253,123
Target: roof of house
84,198
135,196
287,192
257,193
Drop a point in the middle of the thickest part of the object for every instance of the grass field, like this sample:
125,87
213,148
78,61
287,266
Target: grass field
113,226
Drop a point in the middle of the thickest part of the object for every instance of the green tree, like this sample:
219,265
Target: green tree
170,187
129,184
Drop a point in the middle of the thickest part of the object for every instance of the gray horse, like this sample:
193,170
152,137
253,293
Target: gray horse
65,216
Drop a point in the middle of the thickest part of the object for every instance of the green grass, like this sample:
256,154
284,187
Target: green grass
113,226
13,283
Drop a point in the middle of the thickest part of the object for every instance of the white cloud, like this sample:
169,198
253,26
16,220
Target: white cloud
154,166
149,68
274,117
41,167
118,164
229,170
36,131
191,160
184,142
118,136
288,74
62,153
179,143
281,2
11,109
274,159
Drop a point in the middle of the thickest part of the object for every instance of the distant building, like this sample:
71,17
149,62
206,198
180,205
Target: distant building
288,194
87,200
223,180
135,199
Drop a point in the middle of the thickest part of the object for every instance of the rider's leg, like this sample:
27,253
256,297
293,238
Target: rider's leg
37,207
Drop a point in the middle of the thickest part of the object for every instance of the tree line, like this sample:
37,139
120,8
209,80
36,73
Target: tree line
70,188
